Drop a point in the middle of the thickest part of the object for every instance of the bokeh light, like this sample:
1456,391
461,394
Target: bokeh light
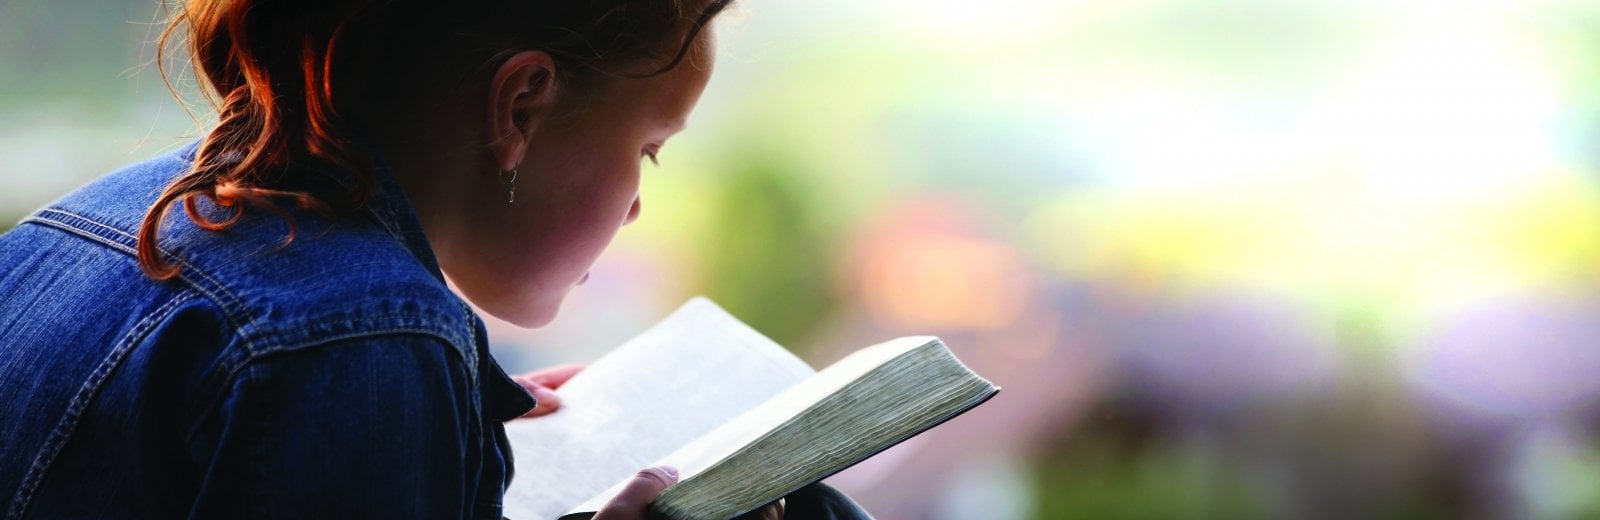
1256,258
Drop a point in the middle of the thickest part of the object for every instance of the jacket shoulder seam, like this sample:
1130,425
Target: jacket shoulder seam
224,378
231,305
67,424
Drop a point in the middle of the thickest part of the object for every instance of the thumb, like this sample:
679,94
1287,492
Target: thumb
634,499
547,400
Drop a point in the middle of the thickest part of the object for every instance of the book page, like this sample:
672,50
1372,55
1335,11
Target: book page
892,393
691,458
695,457
687,375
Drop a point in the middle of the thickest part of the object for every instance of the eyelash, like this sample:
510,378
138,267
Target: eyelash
651,155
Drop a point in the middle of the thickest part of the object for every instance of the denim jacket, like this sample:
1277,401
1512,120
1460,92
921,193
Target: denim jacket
335,376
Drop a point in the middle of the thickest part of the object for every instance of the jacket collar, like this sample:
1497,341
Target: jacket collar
393,210
389,207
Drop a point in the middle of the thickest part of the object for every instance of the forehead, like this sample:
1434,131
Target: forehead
671,96
661,102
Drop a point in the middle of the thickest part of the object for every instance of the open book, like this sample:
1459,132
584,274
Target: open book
743,420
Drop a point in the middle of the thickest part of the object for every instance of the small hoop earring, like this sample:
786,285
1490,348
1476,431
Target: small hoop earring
511,185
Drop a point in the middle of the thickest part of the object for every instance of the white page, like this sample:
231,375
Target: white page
685,376
696,456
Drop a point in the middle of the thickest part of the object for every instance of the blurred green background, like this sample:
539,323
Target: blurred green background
1229,259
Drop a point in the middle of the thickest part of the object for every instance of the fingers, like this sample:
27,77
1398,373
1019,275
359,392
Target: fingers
552,377
542,383
773,511
548,401
633,501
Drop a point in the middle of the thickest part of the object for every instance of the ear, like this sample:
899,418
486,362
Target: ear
520,94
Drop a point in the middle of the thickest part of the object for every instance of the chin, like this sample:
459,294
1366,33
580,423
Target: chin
525,312
515,305
533,317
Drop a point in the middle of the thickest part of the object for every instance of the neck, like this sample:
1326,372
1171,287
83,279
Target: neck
438,168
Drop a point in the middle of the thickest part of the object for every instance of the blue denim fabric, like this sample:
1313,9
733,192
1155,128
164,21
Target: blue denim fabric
336,376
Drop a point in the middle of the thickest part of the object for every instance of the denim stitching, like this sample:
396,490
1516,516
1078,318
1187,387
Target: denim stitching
213,281
472,352
281,346
114,244
234,312
86,393
218,380
246,329
236,364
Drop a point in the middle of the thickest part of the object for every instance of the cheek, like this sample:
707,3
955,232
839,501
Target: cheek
602,203
612,199
518,261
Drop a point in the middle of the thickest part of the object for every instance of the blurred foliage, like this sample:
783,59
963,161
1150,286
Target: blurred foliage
1380,166
767,260
1100,476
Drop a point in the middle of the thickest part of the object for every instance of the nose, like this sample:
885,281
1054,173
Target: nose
633,212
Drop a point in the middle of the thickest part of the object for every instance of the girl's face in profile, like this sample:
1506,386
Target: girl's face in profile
575,187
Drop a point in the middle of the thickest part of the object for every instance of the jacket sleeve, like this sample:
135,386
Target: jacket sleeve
379,427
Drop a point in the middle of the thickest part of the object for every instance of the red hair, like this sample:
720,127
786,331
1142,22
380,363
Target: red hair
278,73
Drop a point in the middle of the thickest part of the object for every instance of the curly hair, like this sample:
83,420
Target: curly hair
285,76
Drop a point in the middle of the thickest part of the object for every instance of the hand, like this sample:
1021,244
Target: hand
633,502
542,384
773,511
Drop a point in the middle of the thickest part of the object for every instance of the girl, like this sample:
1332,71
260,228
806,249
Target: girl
257,325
